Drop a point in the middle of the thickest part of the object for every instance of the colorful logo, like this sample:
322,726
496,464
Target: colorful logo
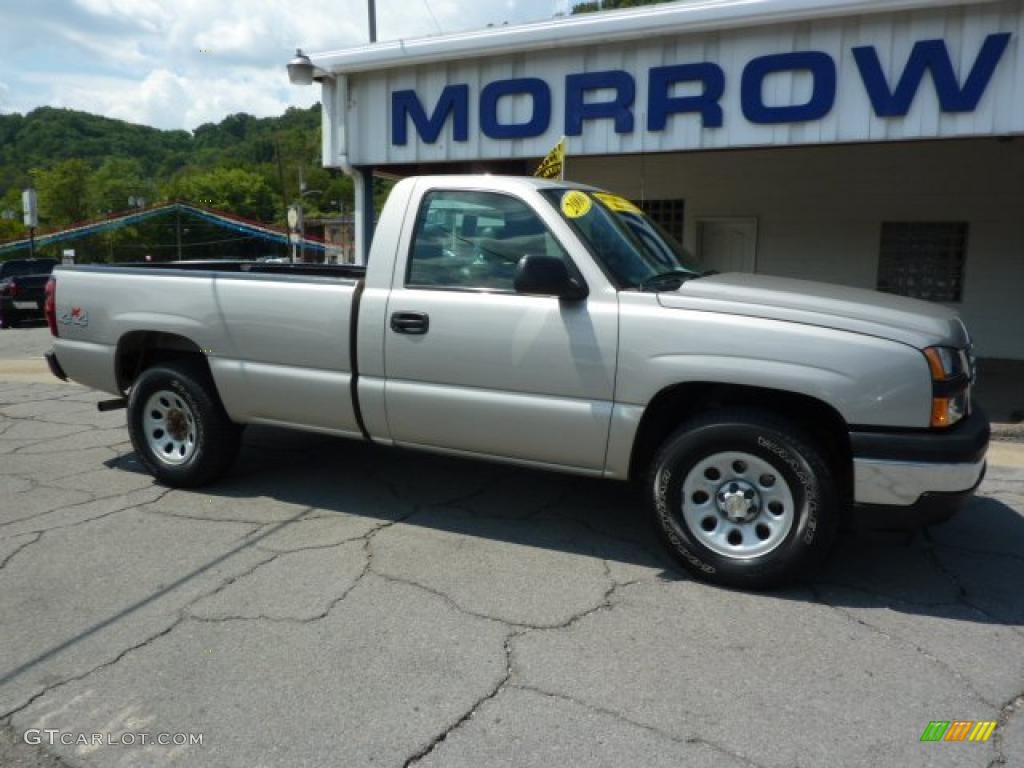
958,730
75,316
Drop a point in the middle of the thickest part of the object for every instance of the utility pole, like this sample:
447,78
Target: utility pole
177,228
29,206
302,216
364,181
280,176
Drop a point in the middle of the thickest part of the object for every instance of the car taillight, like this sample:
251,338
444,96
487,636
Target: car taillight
12,288
50,307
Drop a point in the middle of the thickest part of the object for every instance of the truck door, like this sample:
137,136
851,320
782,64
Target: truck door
470,365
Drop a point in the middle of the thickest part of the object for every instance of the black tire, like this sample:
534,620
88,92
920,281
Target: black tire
813,520
216,438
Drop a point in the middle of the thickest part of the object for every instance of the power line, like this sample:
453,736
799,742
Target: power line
432,16
189,245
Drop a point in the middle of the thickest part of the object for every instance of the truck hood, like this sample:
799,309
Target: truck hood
910,321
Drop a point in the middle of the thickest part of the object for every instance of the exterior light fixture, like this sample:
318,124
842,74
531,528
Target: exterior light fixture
300,69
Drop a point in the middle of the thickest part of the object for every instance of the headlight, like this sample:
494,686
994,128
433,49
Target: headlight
951,372
946,363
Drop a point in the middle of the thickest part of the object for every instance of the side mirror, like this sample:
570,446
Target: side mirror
538,275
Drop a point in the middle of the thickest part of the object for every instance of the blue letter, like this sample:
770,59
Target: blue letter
535,126
454,98
823,94
576,111
660,105
930,55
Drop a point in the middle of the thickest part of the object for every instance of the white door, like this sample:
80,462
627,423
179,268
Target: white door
728,244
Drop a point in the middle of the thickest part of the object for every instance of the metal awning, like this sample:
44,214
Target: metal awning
606,27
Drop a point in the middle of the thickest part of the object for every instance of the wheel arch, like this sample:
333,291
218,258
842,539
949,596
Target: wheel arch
675,404
139,350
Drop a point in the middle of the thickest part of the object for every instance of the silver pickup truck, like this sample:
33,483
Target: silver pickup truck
552,325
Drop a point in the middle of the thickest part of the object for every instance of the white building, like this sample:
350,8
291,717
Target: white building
875,143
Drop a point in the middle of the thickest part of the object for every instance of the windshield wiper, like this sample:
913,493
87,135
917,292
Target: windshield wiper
670,280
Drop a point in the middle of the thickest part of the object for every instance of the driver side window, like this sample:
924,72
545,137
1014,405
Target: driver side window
474,240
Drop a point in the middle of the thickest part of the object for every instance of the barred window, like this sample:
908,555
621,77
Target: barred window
923,260
667,213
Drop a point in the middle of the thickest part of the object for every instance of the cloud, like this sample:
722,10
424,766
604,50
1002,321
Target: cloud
177,65
166,99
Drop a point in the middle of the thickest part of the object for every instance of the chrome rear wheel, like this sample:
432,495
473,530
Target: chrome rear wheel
170,427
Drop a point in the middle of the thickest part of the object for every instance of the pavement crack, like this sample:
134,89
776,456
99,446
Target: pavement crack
198,519
37,536
449,600
685,740
962,593
92,500
75,678
606,604
466,716
853,618
260,534
286,619
1006,713
116,511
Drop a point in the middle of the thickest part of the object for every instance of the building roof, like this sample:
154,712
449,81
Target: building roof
606,27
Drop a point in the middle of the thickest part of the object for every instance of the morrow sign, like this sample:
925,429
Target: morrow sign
611,94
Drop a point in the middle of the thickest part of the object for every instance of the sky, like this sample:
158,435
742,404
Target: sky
182,63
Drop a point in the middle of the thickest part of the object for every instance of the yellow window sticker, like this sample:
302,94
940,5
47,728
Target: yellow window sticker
616,203
575,204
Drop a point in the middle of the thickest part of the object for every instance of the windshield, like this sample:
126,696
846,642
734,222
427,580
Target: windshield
630,246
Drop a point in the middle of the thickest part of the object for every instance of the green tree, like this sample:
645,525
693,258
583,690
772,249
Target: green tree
114,182
86,165
10,206
63,191
11,229
235,190
609,5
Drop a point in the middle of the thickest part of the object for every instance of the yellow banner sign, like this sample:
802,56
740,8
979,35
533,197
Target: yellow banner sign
575,204
616,203
553,166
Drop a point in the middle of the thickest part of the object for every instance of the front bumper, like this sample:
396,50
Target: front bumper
921,477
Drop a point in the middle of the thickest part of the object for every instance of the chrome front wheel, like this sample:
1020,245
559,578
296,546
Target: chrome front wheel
738,505
744,498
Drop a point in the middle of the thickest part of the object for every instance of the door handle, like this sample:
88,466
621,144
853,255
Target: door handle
413,323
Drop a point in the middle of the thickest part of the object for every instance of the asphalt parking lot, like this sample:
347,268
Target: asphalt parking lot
333,603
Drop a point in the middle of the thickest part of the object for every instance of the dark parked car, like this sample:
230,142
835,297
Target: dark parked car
23,289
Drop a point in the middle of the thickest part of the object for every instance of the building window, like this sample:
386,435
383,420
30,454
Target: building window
667,213
923,260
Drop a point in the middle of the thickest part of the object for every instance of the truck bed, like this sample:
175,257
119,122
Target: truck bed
347,271
277,336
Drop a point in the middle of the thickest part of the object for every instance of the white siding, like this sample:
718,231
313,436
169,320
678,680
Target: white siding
852,119
820,211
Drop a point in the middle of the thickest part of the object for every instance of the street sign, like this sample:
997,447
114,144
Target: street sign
29,205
